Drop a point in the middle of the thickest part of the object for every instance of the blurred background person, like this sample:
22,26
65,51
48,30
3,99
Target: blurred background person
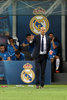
26,48
11,46
18,56
3,53
54,50
53,53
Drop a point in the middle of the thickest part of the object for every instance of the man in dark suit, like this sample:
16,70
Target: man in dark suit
40,53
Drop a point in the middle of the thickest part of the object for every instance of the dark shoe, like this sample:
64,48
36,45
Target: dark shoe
42,87
37,87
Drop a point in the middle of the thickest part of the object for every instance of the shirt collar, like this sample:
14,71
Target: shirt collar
42,36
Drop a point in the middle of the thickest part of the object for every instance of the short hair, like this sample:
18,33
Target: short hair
51,33
28,35
17,52
2,45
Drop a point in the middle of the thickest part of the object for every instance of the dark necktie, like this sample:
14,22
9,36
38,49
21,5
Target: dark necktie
42,45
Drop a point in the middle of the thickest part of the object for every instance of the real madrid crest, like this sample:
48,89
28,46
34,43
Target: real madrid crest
27,75
37,22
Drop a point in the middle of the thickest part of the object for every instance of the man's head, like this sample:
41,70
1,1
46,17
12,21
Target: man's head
28,36
51,35
10,40
43,30
17,54
2,48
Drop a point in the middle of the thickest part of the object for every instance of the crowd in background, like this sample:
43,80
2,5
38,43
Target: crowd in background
23,51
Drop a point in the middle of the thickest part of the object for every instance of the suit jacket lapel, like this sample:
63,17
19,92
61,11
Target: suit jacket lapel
39,40
46,41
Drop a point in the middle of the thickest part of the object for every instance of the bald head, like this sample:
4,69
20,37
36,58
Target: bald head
43,30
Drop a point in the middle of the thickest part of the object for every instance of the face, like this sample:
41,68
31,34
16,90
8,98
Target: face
11,41
51,36
2,49
43,30
28,38
17,55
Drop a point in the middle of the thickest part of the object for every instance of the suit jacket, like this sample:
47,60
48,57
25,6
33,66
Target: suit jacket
36,42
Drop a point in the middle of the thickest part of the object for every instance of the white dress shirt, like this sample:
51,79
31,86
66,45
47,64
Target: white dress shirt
44,44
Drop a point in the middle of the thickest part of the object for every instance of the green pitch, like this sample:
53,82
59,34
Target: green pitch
25,92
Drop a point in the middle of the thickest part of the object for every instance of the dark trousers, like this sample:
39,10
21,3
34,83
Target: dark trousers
40,64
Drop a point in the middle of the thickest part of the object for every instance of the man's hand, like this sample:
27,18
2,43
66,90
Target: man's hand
12,44
24,45
32,37
50,52
53,39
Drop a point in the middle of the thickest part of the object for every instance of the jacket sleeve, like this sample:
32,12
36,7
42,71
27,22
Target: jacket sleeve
49,44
